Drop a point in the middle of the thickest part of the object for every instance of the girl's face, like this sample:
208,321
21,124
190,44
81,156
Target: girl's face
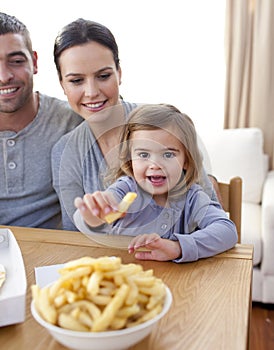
90,79
158,159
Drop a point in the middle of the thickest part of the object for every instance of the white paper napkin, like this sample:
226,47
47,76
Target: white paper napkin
47,274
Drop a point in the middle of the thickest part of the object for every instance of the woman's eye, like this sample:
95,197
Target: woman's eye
76,81
143,155
104,76
169,155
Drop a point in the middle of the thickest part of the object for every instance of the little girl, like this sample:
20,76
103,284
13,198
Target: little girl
172,216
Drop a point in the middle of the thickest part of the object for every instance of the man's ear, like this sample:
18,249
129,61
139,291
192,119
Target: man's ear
34,61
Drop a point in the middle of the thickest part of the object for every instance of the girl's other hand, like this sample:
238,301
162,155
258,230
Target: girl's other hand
156,248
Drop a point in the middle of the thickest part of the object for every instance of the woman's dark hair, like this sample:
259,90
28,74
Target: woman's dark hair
12,25
80,32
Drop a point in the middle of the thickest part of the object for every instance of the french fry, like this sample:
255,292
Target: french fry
85,319
147,316
106,263
70,296
69,322
84,261
84,305
101,300
132,296
105,319
46,309
118,323
144,281
122,207
35,290
128,311
93,283
105,291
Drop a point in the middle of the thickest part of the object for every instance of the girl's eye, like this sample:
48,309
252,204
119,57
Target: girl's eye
169,155
143,155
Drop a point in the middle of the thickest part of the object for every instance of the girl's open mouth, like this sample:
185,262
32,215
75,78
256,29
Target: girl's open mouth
157,180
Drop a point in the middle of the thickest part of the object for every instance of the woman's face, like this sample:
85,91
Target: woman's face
90,79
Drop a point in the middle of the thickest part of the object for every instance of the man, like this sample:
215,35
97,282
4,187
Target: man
30,124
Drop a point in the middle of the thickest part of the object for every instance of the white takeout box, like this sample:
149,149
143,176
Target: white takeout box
13,291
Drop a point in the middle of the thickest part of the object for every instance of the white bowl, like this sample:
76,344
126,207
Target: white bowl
110,340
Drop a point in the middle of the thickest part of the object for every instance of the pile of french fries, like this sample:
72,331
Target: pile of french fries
100,294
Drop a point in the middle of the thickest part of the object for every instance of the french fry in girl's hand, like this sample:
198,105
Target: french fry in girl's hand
122,207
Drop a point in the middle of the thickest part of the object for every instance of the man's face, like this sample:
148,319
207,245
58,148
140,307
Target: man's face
17,67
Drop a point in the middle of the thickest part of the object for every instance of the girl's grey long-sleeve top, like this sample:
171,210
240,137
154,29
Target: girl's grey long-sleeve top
199,223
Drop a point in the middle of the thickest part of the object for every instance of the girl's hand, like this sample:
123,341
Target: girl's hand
93,207
157,248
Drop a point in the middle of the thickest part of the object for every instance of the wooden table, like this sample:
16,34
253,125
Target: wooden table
211,297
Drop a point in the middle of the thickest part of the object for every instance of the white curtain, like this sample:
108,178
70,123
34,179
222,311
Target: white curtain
249,96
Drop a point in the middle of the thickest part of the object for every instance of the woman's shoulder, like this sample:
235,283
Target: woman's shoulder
128,106
78,139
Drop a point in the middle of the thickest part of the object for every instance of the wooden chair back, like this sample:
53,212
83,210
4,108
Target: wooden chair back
231,194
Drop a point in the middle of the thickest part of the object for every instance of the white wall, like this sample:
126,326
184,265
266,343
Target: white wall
170,51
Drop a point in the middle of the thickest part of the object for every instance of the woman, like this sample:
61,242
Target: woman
87,61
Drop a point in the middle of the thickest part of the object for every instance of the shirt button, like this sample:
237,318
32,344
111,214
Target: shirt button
163,226
166,215
12,165
10,143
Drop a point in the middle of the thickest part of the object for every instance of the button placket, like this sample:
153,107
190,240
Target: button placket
166,220
14,164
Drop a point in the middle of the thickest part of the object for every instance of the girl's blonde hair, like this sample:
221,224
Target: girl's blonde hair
169,118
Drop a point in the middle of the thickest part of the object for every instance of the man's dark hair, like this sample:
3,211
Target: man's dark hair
11,25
